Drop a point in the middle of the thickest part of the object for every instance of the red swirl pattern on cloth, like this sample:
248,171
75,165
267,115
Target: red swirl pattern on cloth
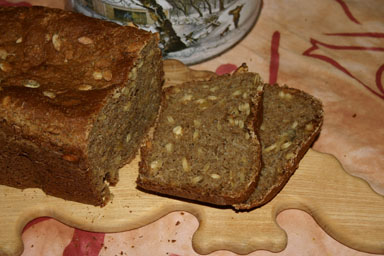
225,69
34,222
347,11
316,45
274,60
85,243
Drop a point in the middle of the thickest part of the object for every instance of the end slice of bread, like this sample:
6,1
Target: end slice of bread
205,147
292,120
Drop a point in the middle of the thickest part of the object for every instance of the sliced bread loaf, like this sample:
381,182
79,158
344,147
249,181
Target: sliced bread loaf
77,96
291,121
204,147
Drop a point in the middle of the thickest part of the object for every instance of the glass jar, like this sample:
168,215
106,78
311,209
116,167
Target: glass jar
190,30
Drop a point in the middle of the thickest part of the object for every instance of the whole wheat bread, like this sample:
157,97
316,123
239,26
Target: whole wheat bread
204,147
291,121
77,96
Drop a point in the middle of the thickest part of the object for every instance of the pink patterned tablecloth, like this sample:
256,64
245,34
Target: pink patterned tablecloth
333,49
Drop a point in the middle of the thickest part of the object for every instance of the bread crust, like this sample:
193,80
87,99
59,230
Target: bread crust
261,197
63,77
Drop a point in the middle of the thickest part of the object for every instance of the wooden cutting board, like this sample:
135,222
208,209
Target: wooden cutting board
344,206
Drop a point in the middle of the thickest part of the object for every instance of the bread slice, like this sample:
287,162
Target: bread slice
77,97
291,121
204,147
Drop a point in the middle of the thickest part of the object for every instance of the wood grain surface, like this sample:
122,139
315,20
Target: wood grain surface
344,206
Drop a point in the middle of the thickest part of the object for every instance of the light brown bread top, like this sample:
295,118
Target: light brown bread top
62,66
60,50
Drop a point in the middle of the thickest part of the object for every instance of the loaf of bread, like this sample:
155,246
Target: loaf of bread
204,145
77,96
292,120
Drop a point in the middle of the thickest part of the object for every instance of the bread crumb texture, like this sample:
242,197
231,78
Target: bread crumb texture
204,146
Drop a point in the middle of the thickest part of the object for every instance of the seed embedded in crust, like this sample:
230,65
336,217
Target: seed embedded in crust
125,91
116,95
288,96
185,164
155,166
85,40
286,145
206,167
97,75
56,42
197,179
127,106
289,156
197,123
31,84
243,106
213,89
178,130
107,75
128,138
215,176
19,40
170,119
236,93
169,147
195,135
204,106
285,95
231,121
241,124
246,107
140,64
85,87
70,158
186,97
200,101
3,54
6,100
49,94
271,147
5,66
212,97
133,74
294,125
309,127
